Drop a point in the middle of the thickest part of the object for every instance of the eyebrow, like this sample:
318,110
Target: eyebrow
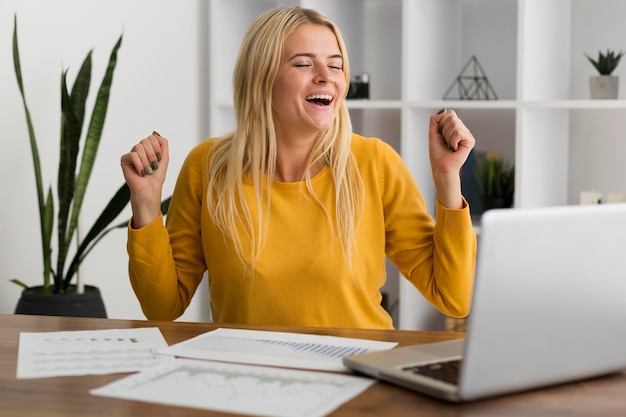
310,55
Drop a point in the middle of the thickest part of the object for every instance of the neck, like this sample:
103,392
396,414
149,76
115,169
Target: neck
291,159
294,173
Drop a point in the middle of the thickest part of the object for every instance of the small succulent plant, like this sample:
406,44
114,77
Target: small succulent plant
606,63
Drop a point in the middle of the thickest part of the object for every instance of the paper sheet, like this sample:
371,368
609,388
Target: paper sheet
291,350
237,388
89,352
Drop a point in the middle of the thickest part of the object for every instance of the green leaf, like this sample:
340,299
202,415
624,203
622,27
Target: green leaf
34,151
80,90
66,178
18,282
165,205
72,118
92,140
46,238
110,212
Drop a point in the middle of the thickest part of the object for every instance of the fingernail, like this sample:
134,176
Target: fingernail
441,111
154,165
149,170
143,172
159,156
154,132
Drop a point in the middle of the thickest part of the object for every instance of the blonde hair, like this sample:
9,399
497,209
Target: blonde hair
249,152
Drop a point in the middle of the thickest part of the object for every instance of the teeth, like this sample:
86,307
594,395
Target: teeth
326,97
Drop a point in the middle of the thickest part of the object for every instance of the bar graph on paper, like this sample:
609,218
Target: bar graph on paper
293,350
322,351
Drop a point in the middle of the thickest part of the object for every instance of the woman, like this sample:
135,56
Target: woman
292,214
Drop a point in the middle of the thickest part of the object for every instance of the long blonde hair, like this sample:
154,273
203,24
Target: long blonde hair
250,150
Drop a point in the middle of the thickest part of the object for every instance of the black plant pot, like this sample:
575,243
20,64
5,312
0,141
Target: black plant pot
88,304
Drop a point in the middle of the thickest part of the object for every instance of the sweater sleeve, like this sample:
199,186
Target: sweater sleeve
437,257
166,264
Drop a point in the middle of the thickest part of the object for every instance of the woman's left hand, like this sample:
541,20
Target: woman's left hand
449,143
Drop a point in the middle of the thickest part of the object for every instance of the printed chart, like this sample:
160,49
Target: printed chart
291,350
85,352
237,388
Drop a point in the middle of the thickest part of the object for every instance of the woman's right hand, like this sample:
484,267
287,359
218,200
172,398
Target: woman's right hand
144,169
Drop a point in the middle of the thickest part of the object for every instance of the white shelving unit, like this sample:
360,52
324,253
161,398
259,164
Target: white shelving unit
533,54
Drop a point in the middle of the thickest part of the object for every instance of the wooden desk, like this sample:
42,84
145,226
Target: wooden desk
69,396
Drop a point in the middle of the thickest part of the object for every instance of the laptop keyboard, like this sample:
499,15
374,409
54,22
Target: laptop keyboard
447,371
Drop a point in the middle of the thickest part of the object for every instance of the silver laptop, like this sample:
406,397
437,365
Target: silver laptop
549,307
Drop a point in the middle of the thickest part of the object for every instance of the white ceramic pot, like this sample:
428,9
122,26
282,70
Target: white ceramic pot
603,86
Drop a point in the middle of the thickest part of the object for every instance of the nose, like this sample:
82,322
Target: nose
323,76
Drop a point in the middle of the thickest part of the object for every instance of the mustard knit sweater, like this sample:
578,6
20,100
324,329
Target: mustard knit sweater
301,276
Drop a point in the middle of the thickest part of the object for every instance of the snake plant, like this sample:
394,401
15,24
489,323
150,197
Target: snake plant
72,178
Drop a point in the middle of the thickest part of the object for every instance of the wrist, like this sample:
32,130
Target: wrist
448,190
145,211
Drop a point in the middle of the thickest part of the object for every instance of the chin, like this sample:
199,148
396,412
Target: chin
325,124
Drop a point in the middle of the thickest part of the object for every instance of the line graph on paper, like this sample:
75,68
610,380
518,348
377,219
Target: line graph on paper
239,388
292,350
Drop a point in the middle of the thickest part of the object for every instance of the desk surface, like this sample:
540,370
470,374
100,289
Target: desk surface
69,396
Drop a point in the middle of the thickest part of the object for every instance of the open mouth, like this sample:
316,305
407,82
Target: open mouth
320,99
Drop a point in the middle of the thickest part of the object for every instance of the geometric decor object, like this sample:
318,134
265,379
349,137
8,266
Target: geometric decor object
471,84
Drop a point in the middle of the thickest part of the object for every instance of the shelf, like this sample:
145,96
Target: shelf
374,104
462,104
576,104
532,54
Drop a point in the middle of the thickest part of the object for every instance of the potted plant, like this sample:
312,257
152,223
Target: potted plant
605,85
496,181
57,295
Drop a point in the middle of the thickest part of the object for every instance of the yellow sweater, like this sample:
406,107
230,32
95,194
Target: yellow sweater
301,277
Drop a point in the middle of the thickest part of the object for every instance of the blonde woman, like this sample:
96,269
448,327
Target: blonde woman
292,214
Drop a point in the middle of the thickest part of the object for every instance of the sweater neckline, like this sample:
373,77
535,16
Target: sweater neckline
320,176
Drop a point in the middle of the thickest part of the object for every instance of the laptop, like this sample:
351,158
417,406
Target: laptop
549,307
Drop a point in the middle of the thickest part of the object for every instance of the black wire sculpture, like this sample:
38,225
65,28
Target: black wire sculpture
471,84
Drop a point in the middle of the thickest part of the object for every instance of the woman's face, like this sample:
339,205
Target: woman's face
310,85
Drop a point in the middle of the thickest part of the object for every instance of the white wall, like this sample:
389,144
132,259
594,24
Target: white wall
598,143
159,84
